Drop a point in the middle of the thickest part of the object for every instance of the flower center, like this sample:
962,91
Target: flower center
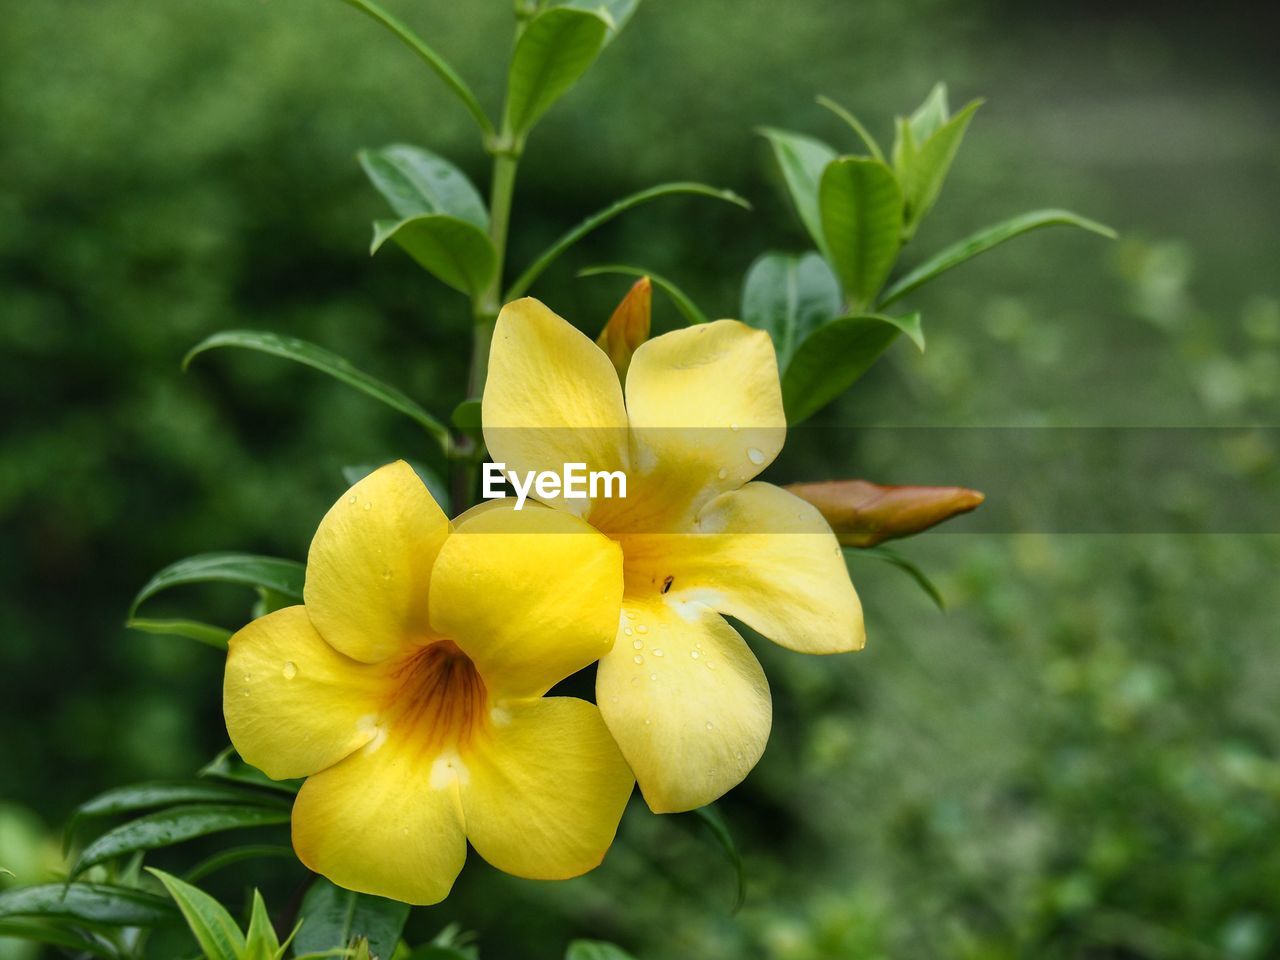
437,696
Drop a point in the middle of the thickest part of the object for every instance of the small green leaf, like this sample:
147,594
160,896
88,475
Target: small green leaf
828,362
861,207
904,149
205,633
555,49
434,483
467,417
535,269
250,570
891,556
333,918
455,252
228,766
719,829
855,125
260,941
802,160
595,950
688,309
432,59
930,115
54,936
925,173
615,12
215,931
233,855
318,358
790,296
176,825
984,240
416,181
93,903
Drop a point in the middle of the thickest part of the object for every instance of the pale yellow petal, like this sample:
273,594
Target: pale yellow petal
686,701
293,704
530,595
370,562
552,397
705,407
380,823
769,559
544,790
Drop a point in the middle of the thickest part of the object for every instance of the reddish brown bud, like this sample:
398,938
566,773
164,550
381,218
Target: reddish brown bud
863,514
629,326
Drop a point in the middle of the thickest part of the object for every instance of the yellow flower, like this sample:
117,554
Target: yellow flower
680,691
409,688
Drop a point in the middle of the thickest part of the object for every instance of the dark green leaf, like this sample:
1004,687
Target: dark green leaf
175,825
930,115
855,125
555,49
688,309
715,824
861,206
834,356
250,570
260,940
790,296
333,917
984,240
318,358
92,903
430,479
802,160
70,940
416,181
437,63
228,766
205,633
215,931
926,172
467,418
535,269
595,950
889,555
232,855
454,251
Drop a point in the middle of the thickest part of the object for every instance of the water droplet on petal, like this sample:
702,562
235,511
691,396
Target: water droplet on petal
290,670
734,427
351,499
368,505
647,721
627,631
710,725
722,473
247,678
694,654
657,653
638,659
642,629
638,644
755,455
653,676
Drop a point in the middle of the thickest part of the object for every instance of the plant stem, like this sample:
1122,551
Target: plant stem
505,164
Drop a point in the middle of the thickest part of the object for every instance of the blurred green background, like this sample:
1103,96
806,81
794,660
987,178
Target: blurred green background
1079,759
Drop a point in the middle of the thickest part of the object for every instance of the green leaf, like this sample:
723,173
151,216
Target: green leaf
434,483
888,555
260,941
323,360
930,115
54,936
790,296
250,570
333,917
719,829
228,766
802,160
688,309
416,181
175,825
615,12
555,49
215,931
432,59
925,173
455,252
535,269
984,240
831,358
233,855
855,125
467,418
904,148
861,206
205,633
595,950
93,903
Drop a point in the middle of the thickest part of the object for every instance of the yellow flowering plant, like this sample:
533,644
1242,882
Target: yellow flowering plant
420,683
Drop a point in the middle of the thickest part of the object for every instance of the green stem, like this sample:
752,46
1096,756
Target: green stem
505,164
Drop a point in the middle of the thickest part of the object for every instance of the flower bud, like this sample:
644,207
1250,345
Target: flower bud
863,514
629,326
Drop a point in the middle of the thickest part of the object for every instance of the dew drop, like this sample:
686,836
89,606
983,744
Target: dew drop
722,473
653,676
351,499
638,659
368,505
247,678
642,629
631,615
405,831
627,631
290,670
613,699
638,644
386,574
647,721
755,455
657,653
694,654
734,427
710,725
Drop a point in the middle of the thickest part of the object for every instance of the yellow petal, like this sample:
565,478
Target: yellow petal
370,564
529,595
293,704
377,823
705,406
686,701
544,791
552,397
769,559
